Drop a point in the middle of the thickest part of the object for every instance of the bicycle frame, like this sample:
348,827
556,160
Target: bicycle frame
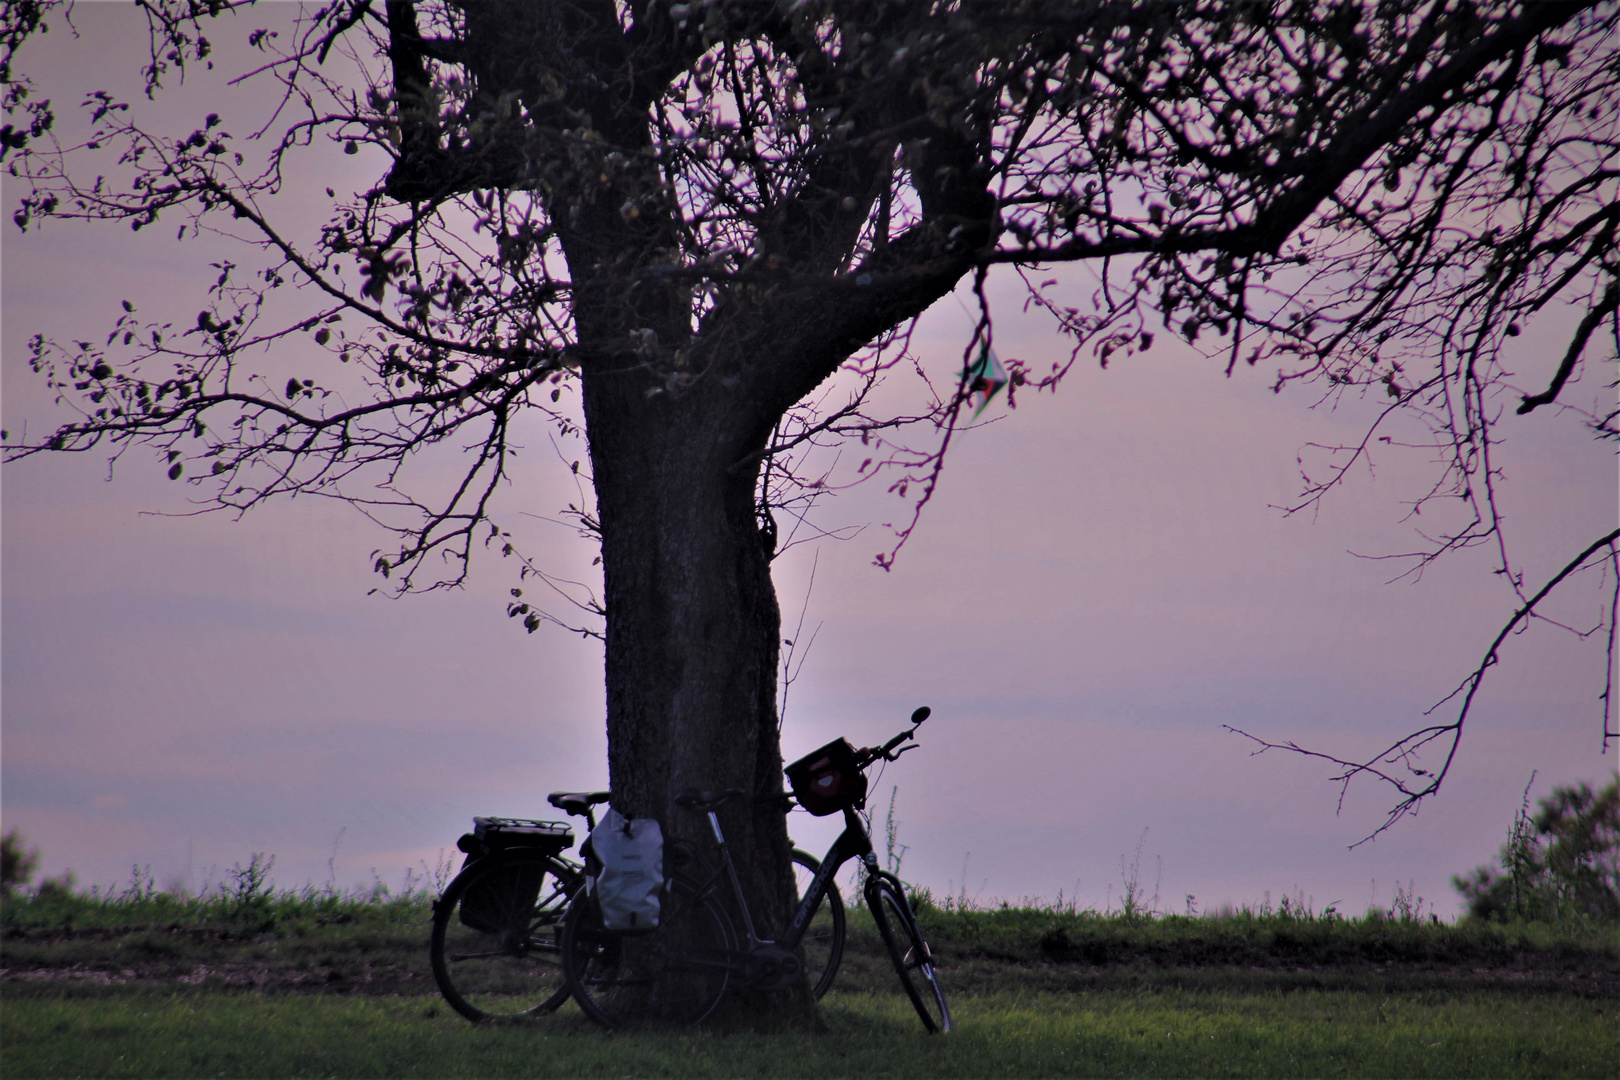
854,842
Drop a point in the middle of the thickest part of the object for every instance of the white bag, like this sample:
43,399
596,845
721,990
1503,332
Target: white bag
631,851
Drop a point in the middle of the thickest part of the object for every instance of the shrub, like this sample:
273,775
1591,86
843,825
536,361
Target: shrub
1562,864
17,862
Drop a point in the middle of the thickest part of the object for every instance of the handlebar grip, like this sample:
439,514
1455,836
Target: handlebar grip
896,741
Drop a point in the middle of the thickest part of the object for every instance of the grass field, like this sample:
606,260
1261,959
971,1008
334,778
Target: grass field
1143,1032
268,985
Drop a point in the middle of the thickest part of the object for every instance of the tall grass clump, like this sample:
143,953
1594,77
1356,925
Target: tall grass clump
1291,933
243,900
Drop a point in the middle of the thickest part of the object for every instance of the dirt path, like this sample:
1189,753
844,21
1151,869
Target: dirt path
393,960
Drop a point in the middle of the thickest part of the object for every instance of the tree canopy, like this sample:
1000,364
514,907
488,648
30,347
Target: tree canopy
698,232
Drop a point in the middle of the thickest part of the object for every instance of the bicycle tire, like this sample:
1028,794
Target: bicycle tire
496,947
912,960
822,946
675,975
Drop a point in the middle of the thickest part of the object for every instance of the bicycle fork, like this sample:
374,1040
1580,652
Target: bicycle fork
921,956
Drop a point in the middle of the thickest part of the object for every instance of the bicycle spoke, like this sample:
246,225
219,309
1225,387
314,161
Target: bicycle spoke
912,960
675,974
494,948
822,946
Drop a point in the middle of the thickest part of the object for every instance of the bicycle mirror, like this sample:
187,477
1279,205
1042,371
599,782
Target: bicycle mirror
921,714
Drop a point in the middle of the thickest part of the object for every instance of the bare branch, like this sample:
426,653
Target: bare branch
1401,754
1577,345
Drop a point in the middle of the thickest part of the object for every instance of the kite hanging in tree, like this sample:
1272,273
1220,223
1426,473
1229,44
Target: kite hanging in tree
985,377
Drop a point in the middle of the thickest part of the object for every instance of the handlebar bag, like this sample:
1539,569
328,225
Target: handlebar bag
626,888
828,780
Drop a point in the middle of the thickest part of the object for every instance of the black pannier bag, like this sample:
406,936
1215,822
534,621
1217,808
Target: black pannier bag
828,780
505,900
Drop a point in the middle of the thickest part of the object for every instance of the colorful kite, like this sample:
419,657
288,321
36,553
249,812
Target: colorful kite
985,377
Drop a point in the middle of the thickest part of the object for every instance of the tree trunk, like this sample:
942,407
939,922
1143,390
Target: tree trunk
693,628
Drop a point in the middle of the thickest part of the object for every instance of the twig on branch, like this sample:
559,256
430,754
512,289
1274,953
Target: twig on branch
1401,753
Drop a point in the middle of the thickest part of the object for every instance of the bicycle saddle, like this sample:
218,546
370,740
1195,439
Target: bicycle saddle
577,803
695,799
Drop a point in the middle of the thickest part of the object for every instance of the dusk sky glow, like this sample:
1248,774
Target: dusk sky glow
1101,582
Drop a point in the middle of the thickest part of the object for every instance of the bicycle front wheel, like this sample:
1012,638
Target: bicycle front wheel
497,930
822,946
912,960
675,975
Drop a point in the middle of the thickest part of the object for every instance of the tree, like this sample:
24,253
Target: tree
1562,864
713,221
17,863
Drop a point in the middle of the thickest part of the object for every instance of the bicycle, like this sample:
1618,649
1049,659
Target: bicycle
682,970
497,929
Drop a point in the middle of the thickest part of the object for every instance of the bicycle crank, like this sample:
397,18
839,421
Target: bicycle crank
771,967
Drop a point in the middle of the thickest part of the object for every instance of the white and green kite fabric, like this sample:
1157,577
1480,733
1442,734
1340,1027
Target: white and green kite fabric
985,377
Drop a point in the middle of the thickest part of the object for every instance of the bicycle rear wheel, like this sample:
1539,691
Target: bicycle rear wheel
496,946
912,960
675,975
823,943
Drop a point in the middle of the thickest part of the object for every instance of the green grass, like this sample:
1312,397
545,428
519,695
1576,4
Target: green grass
305,984
1153,1033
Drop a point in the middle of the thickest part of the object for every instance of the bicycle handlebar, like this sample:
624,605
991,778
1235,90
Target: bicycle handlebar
868,754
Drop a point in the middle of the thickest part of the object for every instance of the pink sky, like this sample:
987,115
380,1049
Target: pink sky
1099,585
